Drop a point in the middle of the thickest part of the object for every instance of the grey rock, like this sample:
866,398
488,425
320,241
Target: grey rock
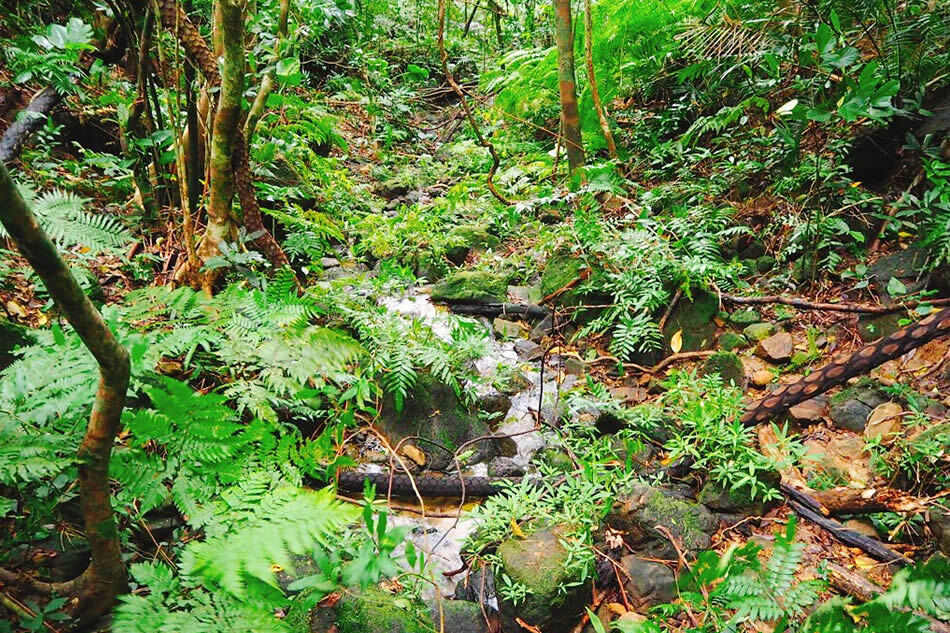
329,262
575,366
460,616
504,467
528,350
506,329
494,402
542,329
851,407
647,583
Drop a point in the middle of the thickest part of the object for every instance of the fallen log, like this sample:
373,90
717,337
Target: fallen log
526,310
855,585
843,500
28,121
872,547
803,304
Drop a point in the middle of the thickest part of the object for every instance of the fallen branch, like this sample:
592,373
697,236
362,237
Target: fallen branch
528,310
833,307
854,584
584,274
872,547
853,501
484,142
28,121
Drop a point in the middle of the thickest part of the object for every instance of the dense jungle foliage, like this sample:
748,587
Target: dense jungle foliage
475,316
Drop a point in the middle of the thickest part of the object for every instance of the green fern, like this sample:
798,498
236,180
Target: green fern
62,215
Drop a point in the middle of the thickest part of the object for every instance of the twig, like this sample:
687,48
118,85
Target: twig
892,211
584,274
669,309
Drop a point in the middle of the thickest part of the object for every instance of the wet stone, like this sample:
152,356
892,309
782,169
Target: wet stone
507,329
777,348
647,583
758,331
744,318
730,341
528,350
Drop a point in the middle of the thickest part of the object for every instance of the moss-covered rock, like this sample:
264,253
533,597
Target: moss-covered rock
470,286
510,380
873,326
638,513
715,497
540,562
369,611
462,240
851,407
562,268
694,318
764,264
729,341
727,366
758,331
425,264
12,336
433,411
743,318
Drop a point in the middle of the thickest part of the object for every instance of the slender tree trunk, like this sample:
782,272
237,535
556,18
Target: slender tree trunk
105,577
594,92
267,83
570,119
229,44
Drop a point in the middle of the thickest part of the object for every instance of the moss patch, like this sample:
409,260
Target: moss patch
727,366
475,286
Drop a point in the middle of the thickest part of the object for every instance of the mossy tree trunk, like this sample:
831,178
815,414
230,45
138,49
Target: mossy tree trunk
570,119
96,588
229,45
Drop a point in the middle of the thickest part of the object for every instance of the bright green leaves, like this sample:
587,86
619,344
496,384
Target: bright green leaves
76,35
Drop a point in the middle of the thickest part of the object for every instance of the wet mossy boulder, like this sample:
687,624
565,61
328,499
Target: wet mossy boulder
727,366
694,318
434,412
758,331
471,286
462,240
639,512
540,562
743,318
369,611
730,341
561,269
12,336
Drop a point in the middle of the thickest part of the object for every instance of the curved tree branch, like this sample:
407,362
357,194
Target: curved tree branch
105,577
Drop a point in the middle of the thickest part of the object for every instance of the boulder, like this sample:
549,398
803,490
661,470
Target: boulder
562,268
542,328
507,329
647,583
541,563
730,341
504,467
470,286
777,348
851,407
463,239
368,611
694,318
638,513
433,411
744,318
727,366
758,331
764,264
460,616
810,410
528,350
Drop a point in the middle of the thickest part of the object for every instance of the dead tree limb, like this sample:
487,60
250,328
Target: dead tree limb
484,142
27,122
802,304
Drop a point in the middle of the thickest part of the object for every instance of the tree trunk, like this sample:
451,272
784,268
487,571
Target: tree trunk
592,79
570,120
105,577
229,44
267,83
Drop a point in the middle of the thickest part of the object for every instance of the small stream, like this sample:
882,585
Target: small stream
442,538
